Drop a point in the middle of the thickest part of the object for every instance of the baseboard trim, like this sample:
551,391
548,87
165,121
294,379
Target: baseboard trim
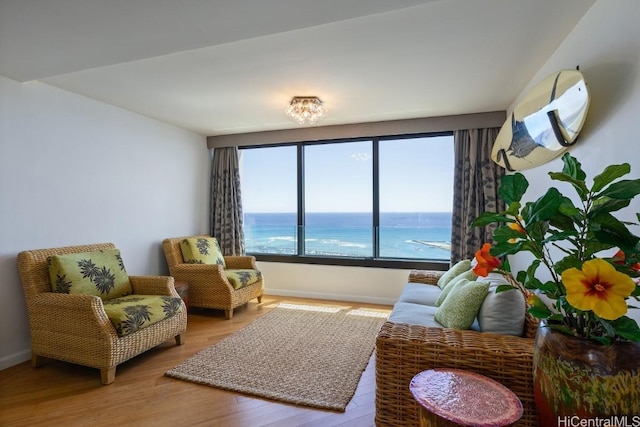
333,297
15,359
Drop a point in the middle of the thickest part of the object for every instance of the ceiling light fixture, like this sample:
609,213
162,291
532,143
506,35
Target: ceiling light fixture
306,109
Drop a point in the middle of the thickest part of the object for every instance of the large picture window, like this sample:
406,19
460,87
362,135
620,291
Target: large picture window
360,202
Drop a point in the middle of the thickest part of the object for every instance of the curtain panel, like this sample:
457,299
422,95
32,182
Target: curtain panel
476,181
226,201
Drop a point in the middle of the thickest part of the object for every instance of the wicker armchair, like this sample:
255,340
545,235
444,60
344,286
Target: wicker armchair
404,350
75,328
208,285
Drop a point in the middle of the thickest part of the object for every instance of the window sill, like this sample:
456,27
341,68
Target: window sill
356,262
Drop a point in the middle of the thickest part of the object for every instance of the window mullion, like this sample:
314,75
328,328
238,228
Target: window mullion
301,194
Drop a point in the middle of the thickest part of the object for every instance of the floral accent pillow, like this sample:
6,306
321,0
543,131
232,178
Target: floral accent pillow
201,250
100,273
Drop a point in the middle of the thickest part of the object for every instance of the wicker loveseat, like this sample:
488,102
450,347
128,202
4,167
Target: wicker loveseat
403,350
76,328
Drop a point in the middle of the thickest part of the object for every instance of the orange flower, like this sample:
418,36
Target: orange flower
619,258
598,287
486,262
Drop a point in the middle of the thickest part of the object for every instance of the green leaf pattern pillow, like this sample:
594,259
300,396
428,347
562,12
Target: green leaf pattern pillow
99,273
201,250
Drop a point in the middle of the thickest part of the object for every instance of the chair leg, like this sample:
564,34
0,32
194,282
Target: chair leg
108,375
179,339
228,314
35,361
260,299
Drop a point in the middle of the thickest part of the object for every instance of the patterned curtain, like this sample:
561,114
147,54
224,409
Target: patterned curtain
476,181
226,201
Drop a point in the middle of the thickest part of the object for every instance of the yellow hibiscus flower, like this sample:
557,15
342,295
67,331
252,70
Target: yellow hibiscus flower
598,287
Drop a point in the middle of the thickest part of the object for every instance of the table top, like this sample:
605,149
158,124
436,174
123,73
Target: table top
466,398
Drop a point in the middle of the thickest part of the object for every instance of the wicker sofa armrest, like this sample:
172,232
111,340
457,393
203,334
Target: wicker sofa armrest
428,277
153,285
241,262
70,315
403,351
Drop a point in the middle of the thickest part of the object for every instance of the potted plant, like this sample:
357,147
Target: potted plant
587,350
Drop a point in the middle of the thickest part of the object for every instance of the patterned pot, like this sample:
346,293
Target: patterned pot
574,377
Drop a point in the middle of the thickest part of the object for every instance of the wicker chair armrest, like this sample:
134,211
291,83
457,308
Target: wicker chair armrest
207,269
153,285
428,277
241,262
84,315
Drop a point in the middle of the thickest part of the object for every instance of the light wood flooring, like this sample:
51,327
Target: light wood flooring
63,394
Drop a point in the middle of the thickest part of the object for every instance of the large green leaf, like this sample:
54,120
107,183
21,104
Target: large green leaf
572,167
610,174
506,233
625,190
608,229
580,186
513,187
486,218
627,328
545,208
605,204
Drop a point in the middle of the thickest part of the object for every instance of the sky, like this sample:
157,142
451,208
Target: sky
416,175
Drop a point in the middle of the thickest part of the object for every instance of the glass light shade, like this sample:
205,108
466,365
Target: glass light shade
305,109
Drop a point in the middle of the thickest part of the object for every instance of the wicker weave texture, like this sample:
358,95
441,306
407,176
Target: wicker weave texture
208,285
403,351
75,328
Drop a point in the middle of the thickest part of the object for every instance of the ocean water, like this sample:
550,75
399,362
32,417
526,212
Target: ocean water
417,235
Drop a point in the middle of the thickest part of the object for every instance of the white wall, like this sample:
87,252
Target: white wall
76,171
371,285
606,46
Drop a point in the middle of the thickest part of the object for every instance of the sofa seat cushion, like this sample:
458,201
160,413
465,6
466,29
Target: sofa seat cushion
414,314
240,278
134,312
99,273
201,250
419,293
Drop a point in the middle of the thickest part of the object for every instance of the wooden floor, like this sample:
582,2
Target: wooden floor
62,394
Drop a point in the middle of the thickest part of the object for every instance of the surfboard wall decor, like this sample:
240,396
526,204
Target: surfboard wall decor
544,123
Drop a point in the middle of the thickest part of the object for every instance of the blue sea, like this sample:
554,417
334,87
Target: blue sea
417,235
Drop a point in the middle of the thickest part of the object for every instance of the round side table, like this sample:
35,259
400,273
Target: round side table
455,397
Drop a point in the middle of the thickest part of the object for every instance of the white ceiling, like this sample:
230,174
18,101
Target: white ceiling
224,67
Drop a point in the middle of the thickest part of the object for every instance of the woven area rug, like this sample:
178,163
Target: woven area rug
305,355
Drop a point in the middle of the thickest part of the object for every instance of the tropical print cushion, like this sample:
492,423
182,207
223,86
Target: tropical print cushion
201,250
134,312
241,278
99,273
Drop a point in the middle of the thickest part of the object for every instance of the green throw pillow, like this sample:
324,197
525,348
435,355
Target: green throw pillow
461,306
99,273
467,275
459,267
201,250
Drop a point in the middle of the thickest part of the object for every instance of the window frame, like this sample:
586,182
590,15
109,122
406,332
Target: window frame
375,260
